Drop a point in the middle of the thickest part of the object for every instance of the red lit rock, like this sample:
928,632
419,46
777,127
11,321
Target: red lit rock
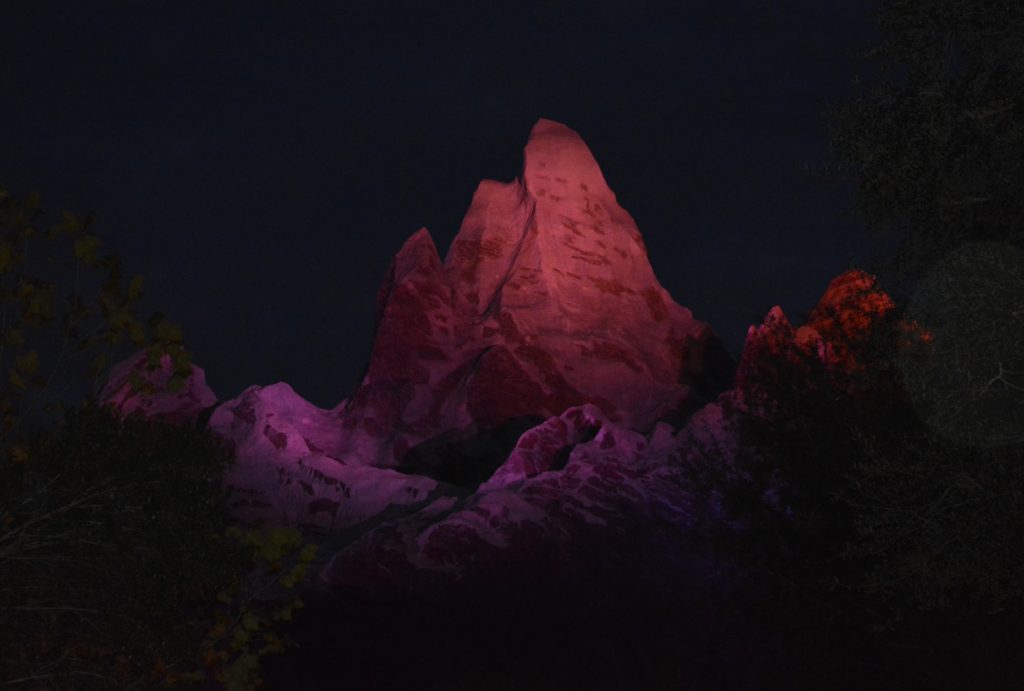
852,304
772,340
545,300
835,335
836,332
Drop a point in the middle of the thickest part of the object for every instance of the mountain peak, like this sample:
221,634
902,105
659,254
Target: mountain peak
557,164
545,300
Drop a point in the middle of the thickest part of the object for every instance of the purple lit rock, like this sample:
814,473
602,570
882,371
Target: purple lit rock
545,301
290,468
176,407
552,444
582,470
572,474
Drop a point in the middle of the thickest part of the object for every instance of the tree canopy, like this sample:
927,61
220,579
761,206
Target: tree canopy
936,144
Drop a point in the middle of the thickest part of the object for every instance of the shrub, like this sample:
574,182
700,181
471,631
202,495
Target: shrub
120,567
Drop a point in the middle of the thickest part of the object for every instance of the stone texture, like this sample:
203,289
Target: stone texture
545,300
835,335
289,470
572,474
837,331
581,471
182,406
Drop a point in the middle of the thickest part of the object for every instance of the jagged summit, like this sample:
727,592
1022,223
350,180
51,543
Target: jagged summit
556,229
545,300
553,156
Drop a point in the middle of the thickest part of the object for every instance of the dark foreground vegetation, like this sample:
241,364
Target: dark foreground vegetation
875,539
119,566
855,545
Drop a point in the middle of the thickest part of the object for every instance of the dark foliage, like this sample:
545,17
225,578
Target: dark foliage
113,547
40,357
875,544
937,144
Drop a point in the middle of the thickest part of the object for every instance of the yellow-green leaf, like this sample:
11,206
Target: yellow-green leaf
136,382
135,288
19,453
240,639
137,333
40,307
297,573
250,622
15,380
25,289
98,365
27,363
119,318
154,354
6,256
69,223
166,331
182,366
86,247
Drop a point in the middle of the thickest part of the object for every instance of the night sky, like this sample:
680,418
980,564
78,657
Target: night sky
261,166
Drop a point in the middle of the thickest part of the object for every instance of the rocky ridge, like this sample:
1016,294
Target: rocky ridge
544,314
546,300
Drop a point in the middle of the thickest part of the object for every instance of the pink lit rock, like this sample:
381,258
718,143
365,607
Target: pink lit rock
581,470
289,467
573,473
545,300
548,447
176,407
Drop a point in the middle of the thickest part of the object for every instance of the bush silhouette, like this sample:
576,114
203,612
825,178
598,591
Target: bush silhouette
113,545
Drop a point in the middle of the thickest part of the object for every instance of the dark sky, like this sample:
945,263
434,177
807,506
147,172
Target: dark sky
261,166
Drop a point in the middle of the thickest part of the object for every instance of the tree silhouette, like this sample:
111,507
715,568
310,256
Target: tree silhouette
34,386
936,144
120,566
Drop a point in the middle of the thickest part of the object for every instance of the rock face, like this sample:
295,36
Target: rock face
837,331
545,300
581,470
288,469
575,473
176,407
835,336
497,335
